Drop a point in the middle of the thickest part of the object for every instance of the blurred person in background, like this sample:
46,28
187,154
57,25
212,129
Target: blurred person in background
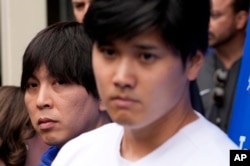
80,8
218,77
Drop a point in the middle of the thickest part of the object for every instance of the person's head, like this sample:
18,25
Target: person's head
228,19
58,82
15,126
145,53
80,8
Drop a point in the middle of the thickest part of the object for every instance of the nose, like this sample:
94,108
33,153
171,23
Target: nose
43,100
124,75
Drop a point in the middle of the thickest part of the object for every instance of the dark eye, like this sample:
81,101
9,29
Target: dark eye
110,52
60,82
215,15
31,85
79,5
147,57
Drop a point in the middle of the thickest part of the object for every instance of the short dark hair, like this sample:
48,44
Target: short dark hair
65,49
239,5
183,24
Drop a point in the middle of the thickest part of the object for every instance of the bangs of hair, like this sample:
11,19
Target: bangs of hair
114,19
177,21
63,53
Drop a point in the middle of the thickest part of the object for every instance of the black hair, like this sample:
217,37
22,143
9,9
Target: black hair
183,24
239,5
65,49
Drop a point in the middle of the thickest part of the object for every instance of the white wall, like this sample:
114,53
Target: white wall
20,22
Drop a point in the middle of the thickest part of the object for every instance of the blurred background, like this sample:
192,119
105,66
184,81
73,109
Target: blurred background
20,21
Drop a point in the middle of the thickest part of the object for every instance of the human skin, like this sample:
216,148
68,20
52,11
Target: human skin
35,147
223,23
80,8
145,87
2,163
59,110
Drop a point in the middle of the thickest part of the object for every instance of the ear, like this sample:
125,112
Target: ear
102,106
194,65
241,19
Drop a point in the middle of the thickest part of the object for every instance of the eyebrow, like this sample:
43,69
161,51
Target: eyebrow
145,46
104,43
32,77
138,46
78,3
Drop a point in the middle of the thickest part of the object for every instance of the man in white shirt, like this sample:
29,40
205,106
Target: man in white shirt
145,54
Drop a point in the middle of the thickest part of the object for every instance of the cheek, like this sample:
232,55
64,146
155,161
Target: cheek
222,24
83,114
216,24
71,111
78,16
32,112
171,83
80,102
76,99
30,104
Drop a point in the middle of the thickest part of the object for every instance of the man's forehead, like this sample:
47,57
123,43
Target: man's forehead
221,4
128,37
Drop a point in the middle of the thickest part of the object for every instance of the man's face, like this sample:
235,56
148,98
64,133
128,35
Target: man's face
80,8
222,23
59,110
139,80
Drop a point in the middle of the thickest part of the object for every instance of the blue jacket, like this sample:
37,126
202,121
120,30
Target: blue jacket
49,156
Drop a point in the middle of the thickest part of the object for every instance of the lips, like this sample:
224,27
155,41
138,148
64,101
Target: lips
46,123
123,102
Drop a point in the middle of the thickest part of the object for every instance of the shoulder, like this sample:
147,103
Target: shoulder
97,135
88,144
209,144
211,134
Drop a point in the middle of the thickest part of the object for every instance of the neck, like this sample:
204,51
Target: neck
104,119
231,51
36,147
137,143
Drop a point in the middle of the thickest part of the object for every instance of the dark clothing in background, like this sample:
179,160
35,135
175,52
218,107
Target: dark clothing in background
195,97
206,83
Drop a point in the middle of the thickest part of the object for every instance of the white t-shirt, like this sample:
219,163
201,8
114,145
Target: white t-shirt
199,143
